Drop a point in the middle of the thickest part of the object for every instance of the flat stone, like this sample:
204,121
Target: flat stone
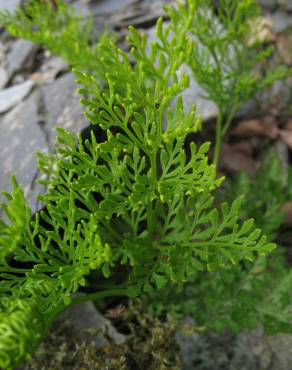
4,77
72,117
250,350
280,19
20,138
268,4
49,70
20,52
9,5
109,6
12,95
82,7
56,97
90,324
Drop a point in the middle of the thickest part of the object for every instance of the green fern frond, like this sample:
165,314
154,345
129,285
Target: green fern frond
134,193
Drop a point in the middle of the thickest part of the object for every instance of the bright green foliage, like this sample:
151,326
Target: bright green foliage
133,194
227,53
58,29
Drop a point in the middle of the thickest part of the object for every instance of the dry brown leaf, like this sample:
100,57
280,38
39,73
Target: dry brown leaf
264,127
286,137
116,312
261,31
287,209
288,125
284,45
237,157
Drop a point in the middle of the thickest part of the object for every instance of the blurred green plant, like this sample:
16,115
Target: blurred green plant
250,293
228,51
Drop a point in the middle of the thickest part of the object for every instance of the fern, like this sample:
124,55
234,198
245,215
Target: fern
134,195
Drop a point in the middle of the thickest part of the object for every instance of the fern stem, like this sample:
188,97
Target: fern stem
218,140
99,295
221,130
149,206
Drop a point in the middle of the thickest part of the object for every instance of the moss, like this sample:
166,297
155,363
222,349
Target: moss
150,345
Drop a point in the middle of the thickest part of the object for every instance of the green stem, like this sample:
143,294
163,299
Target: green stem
221,130
229,119
86,298
218,139
99,295
149,206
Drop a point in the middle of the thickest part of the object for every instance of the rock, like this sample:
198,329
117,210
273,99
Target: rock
280,20
287,4
20,138
109,6
82,7
21,51
4,77
250,350
269,352
88,322
9,5
268,4
49,70
12,95
72,117
3,50
56,96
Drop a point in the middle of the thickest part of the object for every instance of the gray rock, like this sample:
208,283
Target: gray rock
280,20
82,7
250,350
4,77
9,5
268,4
287,4
3,51
49,69
12,95
20,138
88,322
72,117
56,97
21,51
109,6
55,64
